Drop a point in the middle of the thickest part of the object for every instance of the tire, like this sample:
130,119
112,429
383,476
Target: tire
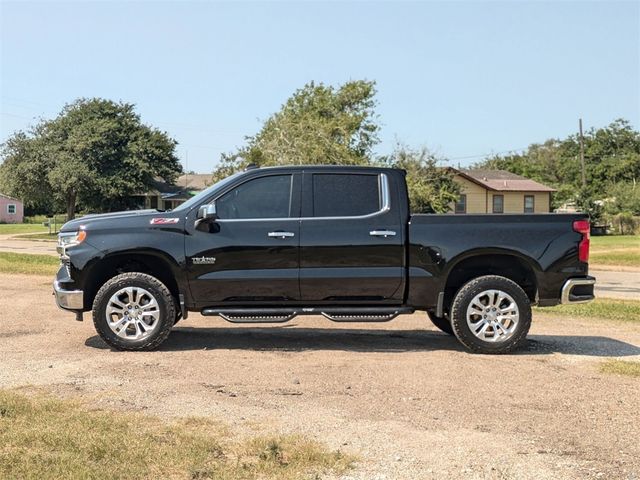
441,323
497,309
134,311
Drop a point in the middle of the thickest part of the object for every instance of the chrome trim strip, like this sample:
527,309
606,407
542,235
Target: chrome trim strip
565,296
385,206
68,299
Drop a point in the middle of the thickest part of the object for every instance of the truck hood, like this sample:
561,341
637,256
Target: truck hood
88,220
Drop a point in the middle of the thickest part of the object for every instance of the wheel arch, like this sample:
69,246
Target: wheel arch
507,263
149,261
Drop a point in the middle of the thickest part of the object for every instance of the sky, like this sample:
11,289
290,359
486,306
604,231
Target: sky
465,79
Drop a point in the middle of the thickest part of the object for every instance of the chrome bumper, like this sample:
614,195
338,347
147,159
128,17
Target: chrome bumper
567,295
68,299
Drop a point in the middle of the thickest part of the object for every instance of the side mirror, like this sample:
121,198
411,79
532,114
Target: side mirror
207,212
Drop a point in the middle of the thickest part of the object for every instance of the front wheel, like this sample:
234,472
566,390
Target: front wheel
491,314
134,311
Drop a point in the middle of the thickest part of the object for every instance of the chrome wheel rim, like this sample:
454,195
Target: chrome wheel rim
493,316
133,313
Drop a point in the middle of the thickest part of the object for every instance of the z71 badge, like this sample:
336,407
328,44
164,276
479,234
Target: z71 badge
203,260
164,221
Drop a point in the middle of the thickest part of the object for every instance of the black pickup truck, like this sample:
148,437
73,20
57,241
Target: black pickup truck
268,244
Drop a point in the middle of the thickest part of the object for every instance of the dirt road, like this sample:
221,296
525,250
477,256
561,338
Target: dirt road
402,395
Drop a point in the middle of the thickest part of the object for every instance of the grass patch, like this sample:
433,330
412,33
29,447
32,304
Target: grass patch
628,258
607,309
607,242
619,250
621,367
27,263
45,438
10,228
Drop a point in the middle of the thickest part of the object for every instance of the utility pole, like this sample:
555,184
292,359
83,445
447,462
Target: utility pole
584,177
186,167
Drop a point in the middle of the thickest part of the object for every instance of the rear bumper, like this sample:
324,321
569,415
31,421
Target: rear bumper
578,290
68,299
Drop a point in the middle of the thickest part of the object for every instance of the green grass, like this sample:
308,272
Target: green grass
621,367
11,228
27,263
606,242
605,309
626,258
615,250
41,437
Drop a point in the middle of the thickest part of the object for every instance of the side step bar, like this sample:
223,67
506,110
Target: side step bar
281,315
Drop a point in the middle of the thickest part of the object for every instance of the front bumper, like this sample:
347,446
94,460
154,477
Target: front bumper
578,290
68,299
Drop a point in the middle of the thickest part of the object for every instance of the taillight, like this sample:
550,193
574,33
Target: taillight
583,227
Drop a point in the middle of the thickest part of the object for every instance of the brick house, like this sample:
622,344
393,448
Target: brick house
11,210
499,191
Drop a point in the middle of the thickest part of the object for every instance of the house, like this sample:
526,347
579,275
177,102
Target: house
11,210
167,197
499,191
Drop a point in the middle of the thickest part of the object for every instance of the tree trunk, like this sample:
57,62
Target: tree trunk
71,206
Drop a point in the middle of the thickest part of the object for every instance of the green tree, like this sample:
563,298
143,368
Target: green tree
432,189
612,157
318,124
95,154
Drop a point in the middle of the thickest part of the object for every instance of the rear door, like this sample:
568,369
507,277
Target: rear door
351,239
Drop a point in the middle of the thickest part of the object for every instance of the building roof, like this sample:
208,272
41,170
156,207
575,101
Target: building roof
7,197
503,181
195,181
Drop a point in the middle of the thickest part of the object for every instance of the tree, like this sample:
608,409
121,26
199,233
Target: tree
612,156
95,154
318,124
432,189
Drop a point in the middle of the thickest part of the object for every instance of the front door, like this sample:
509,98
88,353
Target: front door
352,240
249,255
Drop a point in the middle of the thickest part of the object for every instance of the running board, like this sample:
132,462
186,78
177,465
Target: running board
281,315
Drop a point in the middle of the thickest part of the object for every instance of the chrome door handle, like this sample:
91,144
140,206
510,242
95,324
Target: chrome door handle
382,233
281,234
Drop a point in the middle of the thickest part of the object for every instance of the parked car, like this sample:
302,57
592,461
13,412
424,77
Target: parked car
268,244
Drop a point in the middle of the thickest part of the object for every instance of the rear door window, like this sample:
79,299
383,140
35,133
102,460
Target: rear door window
345,195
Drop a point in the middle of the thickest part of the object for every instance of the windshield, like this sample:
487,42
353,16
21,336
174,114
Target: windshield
193,201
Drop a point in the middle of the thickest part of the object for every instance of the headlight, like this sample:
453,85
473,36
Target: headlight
69,239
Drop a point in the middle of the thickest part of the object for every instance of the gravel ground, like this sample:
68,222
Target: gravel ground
403,396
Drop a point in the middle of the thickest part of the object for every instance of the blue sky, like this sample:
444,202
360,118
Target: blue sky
462,78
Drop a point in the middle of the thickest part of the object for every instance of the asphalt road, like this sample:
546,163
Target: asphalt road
611,284
9,243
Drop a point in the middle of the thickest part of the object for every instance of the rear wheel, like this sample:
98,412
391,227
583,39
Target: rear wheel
134,311
491,314
442,323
